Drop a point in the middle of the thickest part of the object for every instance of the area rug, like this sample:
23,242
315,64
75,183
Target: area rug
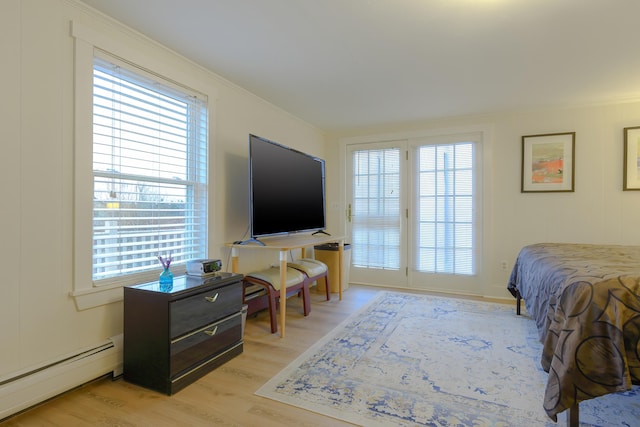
418,360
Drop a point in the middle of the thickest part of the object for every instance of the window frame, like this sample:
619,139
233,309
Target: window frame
194,181
130,47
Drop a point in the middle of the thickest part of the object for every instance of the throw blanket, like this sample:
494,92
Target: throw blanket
586,303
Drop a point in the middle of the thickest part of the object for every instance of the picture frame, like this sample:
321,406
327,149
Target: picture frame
631,165
548,163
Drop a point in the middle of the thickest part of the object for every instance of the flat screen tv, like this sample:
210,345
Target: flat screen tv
287,189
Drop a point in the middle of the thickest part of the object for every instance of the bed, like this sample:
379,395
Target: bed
585,300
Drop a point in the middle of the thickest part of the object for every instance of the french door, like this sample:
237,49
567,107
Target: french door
414,213
376,218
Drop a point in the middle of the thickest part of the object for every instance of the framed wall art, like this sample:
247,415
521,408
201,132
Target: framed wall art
631,174
548,162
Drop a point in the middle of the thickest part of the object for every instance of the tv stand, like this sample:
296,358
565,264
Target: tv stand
284,244
320,232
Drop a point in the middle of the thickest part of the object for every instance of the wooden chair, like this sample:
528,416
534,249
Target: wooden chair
270,280
313,271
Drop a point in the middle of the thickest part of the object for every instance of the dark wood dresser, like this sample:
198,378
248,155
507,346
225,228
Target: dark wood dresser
174,336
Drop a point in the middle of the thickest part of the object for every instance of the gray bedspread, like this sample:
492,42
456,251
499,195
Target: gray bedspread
585,300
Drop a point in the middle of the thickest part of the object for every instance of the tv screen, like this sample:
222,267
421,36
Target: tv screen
286,189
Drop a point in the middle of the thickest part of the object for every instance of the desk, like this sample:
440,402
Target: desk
284,244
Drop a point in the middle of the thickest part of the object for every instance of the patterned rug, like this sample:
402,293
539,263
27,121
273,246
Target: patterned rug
418,360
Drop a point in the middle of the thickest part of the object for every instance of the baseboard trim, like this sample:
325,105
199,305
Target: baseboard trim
27,389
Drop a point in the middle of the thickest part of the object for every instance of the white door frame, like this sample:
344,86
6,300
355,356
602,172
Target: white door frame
393,276
482,285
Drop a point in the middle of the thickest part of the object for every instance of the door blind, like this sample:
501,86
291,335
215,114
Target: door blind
376,223
446,223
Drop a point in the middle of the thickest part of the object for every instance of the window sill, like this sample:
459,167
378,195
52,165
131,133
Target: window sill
95,297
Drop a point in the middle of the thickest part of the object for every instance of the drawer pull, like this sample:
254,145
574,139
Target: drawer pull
210,332
212,299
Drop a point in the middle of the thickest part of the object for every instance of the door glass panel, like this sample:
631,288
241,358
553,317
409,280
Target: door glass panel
376,209
445,240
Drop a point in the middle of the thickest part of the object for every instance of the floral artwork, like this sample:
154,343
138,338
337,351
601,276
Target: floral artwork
548,162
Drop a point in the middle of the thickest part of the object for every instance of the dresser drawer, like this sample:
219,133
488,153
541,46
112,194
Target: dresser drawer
200,344
204,308
174,336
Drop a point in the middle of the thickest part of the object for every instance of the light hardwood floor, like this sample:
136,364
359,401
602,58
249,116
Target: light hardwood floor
224,397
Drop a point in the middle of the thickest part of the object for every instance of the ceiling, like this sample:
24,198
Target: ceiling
346,64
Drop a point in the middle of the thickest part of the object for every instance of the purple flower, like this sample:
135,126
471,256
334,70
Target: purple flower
166,262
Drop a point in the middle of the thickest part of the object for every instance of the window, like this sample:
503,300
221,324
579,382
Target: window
149,172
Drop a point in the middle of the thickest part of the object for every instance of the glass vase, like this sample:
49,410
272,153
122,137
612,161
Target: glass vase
166,278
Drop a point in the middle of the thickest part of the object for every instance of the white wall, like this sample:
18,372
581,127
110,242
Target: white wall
597,212
38,319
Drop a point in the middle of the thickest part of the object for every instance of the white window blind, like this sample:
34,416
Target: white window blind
376,224
149,170
445,189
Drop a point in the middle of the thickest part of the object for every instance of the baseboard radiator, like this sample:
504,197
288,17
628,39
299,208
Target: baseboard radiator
25,389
